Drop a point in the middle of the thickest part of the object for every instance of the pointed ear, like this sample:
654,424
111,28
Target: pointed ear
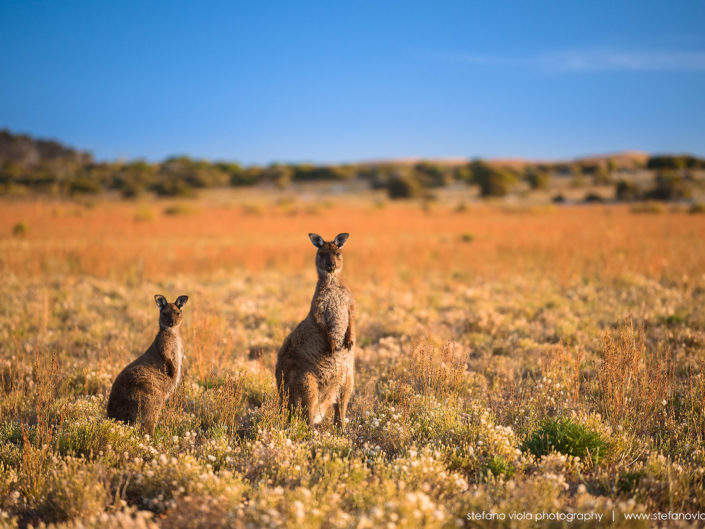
181,301
340,239
316,239
161,301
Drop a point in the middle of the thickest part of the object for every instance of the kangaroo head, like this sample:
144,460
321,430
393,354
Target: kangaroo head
329,258
170,313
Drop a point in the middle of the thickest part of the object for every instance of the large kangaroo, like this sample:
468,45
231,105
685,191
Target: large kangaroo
141,389
316,361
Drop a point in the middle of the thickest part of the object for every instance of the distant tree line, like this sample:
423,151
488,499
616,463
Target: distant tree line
675,162
29,165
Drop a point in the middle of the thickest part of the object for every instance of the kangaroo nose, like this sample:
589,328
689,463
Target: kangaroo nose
330,268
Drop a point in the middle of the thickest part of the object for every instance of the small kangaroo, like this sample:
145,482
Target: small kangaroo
141,389
316,361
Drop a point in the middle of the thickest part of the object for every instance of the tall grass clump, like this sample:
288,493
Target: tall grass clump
634,387
437,370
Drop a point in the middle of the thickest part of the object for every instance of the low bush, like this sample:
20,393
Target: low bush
568,438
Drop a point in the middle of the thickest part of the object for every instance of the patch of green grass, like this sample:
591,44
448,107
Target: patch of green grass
568,438
499,466
20,229
144,214
179,209
628,481
677,318
647,207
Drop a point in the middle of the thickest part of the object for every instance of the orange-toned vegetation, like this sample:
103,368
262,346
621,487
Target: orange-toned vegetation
510,358
109,239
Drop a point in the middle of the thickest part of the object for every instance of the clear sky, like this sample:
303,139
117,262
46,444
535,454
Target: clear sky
329,81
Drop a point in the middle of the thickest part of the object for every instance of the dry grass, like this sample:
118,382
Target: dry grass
635,387
552,361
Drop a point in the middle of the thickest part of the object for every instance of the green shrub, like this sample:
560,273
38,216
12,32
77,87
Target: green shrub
568,438
433,175
20,229
698,207
499,466
493,182
83,185
629,481
670,185
626,190
144,214
647,207
405,186
592,198
91,437
675,162
538,178
179,209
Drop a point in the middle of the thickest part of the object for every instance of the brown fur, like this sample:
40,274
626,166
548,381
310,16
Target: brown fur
141,389
315,365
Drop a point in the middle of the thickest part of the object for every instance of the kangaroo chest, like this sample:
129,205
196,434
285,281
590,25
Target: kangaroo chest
179,359
169,354
332,305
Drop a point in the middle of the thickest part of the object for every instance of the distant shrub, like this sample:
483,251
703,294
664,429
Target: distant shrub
566,169
83,185
433,175
405,186
577,181
626,190
603,175
568,438
179,209
462,173
649,206
173,187
254,209
144,214
670,185
133,178
278,174
467,237
538,178
308,172
244,177
20,229
493,182
558,199
592,198
675,162
698,207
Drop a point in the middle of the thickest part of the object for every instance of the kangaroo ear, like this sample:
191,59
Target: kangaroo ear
181,301
316,239
161,301
340,239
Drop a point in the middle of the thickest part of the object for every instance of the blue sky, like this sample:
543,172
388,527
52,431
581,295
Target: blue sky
343,81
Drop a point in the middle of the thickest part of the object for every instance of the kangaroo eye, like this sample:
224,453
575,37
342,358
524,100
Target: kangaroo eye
339,255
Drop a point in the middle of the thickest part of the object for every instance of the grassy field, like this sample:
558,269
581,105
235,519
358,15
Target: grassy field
512,360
